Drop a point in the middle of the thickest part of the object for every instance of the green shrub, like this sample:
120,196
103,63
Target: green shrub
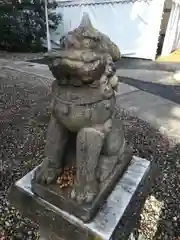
23,26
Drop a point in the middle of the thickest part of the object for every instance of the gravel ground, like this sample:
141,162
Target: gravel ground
20,56
22,128
160,218
23,122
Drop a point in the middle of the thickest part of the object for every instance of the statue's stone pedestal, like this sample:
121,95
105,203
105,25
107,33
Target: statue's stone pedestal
117,218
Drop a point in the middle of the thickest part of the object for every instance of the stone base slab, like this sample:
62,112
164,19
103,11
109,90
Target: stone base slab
110,222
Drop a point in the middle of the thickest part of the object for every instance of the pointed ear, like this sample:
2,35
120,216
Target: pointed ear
85,21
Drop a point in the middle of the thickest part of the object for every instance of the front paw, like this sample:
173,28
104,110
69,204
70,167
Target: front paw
45,174
85,193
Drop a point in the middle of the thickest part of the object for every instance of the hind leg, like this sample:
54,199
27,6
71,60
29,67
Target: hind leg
112,151
114,143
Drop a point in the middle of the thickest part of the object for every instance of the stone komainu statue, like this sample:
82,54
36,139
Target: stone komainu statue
83,104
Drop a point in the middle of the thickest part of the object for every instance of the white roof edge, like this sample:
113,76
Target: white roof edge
86,2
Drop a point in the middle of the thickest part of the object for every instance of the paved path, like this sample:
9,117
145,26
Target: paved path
130,63
168,91
161,113
155,76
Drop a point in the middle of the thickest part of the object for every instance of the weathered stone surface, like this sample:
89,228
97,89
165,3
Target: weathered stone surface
83,121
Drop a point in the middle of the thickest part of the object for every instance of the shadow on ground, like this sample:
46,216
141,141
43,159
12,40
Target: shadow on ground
168,182
170,92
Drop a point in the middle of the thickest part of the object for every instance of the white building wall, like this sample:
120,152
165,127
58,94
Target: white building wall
134,27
